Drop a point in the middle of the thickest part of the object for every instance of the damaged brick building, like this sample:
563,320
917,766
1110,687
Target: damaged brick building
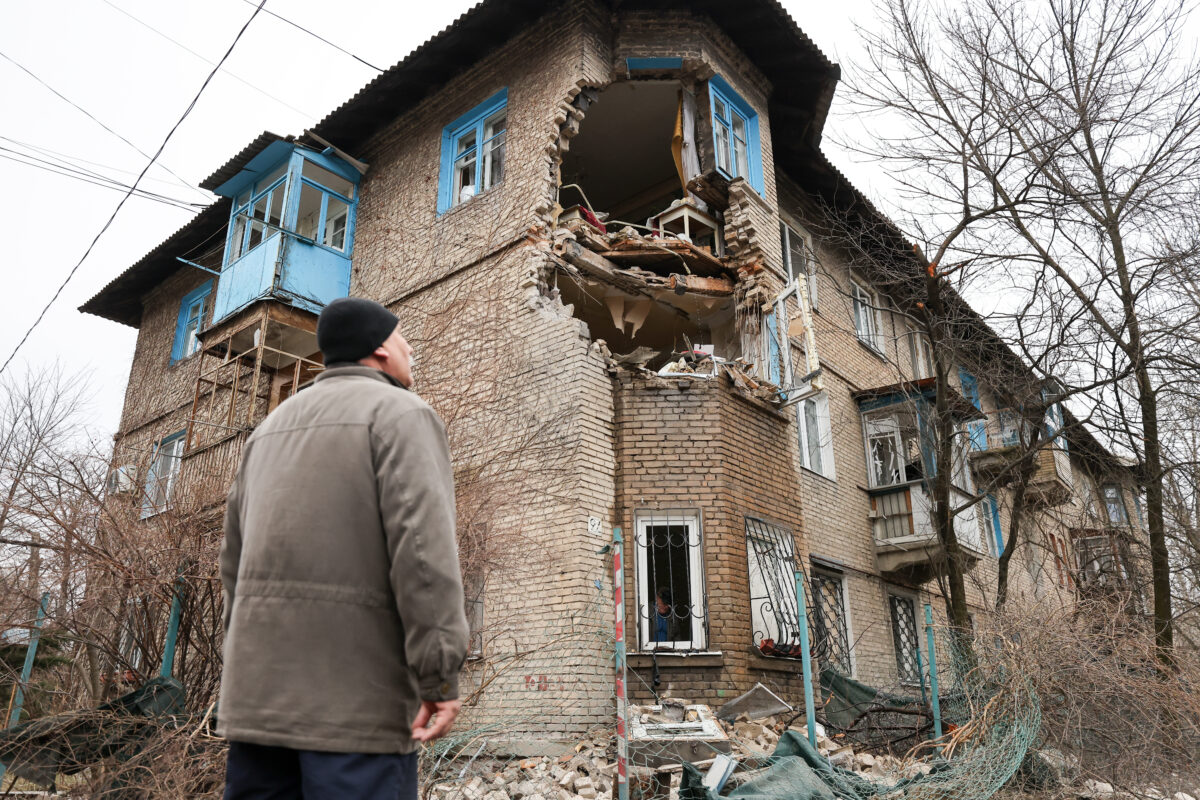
608,223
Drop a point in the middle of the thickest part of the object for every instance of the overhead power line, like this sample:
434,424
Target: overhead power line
187,111
233,75
90,116
83,164
317,36
94,178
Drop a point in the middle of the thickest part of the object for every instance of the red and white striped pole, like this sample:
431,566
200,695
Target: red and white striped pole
618,547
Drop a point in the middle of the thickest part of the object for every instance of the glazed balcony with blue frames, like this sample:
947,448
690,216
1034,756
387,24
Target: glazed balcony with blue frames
291,230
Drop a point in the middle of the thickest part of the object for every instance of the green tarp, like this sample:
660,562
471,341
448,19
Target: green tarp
796,772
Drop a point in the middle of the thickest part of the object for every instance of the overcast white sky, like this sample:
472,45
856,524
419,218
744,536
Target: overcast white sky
104,56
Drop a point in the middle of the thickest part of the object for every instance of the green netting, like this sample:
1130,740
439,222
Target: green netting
41,749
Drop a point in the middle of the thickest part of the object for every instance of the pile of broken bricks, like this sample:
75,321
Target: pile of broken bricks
662,737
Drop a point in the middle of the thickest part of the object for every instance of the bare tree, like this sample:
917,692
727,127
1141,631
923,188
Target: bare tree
1060,144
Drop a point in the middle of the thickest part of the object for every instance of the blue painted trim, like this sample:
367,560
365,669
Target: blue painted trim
332,163
266,160
719,87
994,508
634,64
190,299
976,430
471,119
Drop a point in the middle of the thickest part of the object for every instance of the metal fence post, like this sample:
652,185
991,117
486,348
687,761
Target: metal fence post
933,678
810,713
618,548
168,663
27,668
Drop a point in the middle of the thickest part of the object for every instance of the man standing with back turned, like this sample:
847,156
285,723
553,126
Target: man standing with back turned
344,622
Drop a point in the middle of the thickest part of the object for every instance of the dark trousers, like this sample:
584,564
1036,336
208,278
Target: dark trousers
256,772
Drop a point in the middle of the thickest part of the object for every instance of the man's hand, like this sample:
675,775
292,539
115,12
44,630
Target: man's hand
443,713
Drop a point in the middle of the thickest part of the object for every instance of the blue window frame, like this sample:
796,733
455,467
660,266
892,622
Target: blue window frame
320,212
191,317
735,134
991,520
976,429
473,148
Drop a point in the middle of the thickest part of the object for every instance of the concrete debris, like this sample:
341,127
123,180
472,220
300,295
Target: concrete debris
731,752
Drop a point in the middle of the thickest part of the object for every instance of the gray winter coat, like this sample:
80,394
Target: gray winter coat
343,596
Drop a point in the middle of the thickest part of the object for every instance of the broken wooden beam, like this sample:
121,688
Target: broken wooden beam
710,287
600,267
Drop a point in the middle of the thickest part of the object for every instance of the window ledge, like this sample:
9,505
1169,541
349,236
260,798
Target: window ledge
872,349
670,659
815,474
470,201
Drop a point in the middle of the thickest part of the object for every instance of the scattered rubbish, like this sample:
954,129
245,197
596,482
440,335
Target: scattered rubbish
718,774
757,703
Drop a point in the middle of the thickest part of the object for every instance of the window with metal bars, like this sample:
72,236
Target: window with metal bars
670,582
904,638
774,612
831,638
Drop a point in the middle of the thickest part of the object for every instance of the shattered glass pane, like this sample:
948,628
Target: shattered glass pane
722,145
494,132
740,155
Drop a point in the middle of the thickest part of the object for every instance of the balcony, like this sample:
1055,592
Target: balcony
291,226
1005,439
906,544
283,267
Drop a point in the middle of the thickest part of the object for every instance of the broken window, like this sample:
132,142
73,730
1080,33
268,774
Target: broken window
160,478
326,200
893,447
866,317
1101,561
473,149
904,637
831,637
1114,505
799,260
262,203
816,435
735,134
192,311
670,583
774,610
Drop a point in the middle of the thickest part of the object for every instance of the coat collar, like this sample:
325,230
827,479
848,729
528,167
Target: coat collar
358,371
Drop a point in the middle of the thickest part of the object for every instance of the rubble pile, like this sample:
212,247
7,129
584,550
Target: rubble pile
755,740
586,773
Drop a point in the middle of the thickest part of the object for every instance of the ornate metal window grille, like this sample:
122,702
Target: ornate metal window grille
774,612
905,639
670,586
831,641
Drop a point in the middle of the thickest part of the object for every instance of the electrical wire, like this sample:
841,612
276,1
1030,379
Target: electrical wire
317,36
92,117
75,162
233,75
129,193
94,179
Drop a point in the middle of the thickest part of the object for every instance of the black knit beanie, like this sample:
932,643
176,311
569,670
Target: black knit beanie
350,328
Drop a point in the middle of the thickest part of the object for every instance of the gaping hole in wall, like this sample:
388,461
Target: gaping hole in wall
641,259
622,156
